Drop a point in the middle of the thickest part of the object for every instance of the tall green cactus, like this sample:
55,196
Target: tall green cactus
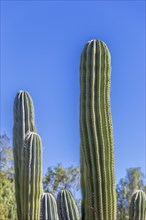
32,177
23,122
48,207
67,208
137,208
97,151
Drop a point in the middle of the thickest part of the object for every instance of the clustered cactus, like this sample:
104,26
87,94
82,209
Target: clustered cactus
27,176
32,203
96,152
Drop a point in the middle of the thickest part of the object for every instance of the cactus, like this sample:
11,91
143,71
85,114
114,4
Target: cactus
23,122
48,207
137,208
97,151
67,208
32,177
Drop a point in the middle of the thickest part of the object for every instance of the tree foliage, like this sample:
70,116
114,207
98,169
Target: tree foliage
134,180
58,178
7,195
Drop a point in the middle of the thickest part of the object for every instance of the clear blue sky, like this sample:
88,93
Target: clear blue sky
41,43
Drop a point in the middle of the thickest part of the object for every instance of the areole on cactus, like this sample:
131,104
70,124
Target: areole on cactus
97,151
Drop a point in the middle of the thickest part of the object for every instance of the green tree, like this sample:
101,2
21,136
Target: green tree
58,178
134,180
7,194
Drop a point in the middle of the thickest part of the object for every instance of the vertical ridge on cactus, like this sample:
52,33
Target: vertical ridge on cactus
23,122
137,208
49,207
97,152
67,208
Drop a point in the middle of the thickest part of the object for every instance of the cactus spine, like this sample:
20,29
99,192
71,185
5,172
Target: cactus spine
67,208
97,152
137,208
24,123
49,207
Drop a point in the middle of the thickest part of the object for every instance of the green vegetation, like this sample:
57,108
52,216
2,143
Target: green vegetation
97,151
32,177
48,207
137,208
134,180
58,178
67,208
23,122
99,201
7,197
27,150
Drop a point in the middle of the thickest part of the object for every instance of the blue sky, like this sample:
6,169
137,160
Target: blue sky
41,43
